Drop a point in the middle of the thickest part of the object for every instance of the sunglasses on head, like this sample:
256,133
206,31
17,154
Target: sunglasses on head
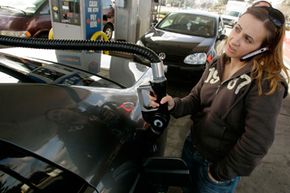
275,16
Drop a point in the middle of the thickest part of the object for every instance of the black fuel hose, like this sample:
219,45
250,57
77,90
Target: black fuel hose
80,45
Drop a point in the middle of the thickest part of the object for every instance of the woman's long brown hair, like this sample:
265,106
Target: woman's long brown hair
268,65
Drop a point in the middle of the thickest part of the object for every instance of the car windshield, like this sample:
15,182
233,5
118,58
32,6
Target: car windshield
189,24
26,6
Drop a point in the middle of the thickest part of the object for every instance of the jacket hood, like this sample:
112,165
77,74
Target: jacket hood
286,87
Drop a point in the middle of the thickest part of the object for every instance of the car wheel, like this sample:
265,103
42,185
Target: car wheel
43,35
108,30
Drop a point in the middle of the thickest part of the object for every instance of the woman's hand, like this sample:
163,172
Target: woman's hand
167,99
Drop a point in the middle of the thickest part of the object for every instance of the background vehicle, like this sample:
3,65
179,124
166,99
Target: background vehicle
32,18
25,18
233,11
186,39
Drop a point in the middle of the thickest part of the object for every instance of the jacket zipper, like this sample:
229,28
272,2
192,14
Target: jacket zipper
221,84
218,89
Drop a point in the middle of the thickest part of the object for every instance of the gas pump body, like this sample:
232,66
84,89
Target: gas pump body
76,19
132,19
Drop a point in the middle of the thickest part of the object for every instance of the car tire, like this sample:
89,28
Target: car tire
108,30
43,35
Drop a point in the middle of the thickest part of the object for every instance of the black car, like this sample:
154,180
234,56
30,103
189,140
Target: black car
71,121
186,39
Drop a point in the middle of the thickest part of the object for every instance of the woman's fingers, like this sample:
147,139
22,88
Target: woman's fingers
152,102
167,99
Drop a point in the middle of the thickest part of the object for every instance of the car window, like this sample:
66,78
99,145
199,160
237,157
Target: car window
190,24
27,6
168,21
45,10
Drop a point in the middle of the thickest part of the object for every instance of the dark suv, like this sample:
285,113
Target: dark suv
32,18
25,18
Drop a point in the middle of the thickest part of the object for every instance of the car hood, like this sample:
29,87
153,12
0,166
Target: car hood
176,44
79,129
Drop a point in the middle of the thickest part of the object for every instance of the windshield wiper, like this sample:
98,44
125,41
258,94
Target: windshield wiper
12,8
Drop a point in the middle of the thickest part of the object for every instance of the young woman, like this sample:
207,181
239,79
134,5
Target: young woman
235,104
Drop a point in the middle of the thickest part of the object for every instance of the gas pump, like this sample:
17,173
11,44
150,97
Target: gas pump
76,19
132,19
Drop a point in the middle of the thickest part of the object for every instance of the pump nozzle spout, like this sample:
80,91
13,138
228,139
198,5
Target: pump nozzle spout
158,72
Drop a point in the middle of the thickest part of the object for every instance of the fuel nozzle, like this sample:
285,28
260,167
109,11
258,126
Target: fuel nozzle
159,81
158,118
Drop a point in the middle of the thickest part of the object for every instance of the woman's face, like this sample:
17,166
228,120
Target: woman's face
246,36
